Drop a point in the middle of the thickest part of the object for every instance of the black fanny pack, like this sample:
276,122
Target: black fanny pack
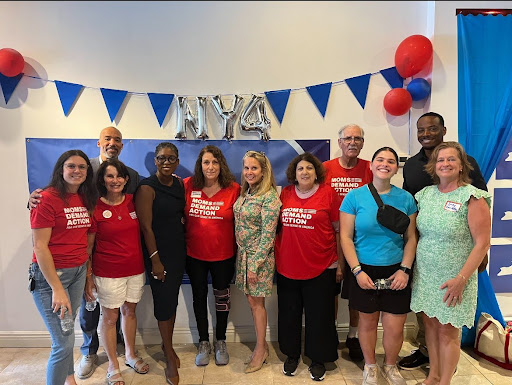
388,216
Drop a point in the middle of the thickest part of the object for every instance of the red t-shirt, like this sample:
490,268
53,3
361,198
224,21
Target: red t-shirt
118,251
69,223
210,224
342,180
306,243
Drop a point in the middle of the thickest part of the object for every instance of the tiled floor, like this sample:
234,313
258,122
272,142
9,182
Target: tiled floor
27,367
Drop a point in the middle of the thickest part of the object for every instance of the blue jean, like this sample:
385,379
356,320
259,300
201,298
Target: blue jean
60,363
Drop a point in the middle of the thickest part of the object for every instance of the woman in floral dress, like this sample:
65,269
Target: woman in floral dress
454,223
256,215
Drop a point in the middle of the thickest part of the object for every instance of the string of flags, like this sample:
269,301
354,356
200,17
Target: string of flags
69,94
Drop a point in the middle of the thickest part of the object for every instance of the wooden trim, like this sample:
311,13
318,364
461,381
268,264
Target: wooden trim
485,12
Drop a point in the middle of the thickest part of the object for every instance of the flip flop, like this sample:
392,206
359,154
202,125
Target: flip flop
114,381
137,364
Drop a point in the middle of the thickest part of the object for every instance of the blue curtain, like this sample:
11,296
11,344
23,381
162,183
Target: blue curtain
485,112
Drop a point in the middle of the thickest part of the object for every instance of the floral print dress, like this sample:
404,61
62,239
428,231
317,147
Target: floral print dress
443,248
256,219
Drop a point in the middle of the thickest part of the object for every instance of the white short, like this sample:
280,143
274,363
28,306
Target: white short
114,292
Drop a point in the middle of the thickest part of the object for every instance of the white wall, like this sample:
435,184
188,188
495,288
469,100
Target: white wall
200,48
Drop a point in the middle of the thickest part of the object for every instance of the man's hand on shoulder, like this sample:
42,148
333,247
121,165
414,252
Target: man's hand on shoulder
34,199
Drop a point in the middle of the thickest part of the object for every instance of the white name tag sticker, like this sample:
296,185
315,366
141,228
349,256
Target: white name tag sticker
452,206
195,194
133,215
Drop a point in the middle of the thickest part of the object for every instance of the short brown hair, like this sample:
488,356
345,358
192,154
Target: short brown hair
225,175
430,167
291,171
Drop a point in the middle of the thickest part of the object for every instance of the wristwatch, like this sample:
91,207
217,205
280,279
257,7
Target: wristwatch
405,269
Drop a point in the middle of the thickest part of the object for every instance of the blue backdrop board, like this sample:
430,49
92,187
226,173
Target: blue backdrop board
42,153
500,270
502,213
504,167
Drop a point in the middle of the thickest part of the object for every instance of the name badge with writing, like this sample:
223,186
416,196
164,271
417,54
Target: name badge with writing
195,194
452,206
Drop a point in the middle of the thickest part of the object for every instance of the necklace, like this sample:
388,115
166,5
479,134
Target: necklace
113,207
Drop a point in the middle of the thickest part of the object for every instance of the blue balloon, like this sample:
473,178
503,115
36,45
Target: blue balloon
419,89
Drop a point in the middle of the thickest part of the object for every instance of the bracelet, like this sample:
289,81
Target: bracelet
460,275
358,272
88,274
152,255
355,267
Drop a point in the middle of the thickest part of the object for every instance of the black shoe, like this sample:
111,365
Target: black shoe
354,349
413,361
290,366
317,371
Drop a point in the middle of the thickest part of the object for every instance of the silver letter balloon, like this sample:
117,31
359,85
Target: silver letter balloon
187,119
228,116
254,118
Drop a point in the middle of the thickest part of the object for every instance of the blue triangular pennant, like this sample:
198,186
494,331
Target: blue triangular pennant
68,92
9,85
359,87
278,101
320,95
393,77
113,101
161,104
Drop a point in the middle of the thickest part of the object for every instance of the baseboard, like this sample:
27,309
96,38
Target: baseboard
41,339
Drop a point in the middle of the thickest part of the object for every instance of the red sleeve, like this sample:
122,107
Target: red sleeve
43,216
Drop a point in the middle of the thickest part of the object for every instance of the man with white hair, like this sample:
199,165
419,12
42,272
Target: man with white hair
344,174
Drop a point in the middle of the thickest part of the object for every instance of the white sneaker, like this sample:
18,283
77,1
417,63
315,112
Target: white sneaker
370,373
86,366
392,375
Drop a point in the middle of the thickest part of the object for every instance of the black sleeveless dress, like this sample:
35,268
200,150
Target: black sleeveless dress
169,229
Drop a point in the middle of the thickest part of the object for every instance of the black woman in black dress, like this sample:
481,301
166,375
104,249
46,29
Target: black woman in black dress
160,203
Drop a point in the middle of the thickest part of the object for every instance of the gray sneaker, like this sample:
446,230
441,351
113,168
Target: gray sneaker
221,353
86,366
392,375
203,353
370,374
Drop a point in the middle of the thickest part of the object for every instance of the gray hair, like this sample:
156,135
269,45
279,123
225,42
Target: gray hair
342,129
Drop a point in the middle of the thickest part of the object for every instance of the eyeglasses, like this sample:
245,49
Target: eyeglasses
356,139
72,166
161,159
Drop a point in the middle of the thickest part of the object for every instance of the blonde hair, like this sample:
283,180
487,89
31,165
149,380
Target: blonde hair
430,167
267,181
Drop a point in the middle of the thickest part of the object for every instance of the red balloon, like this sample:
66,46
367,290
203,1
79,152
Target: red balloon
397,101
11,62
412,55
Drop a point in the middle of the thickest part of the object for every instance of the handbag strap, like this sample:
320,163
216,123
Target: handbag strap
375,194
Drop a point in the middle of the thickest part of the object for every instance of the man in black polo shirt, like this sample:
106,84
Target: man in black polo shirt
431,131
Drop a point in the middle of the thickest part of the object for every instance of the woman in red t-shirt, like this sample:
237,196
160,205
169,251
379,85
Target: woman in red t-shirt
210,235
57,273
117,265
307,252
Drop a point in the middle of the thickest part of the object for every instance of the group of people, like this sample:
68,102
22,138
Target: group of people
324,228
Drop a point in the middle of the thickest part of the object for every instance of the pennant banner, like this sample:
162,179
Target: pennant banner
320,95
278,101
161,104
113,101
68,94
359,87
392,77
8,85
